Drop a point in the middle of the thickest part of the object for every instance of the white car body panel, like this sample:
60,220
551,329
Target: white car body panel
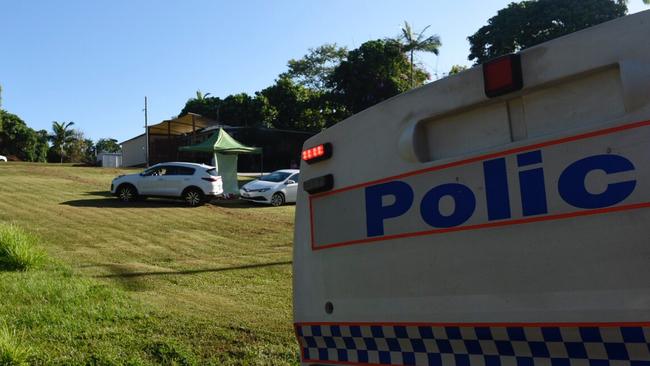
251,191
3,158
469,230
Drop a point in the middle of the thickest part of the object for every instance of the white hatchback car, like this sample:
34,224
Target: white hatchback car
276,188
188,181
3,158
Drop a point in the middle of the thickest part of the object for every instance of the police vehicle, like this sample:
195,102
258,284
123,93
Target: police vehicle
500,216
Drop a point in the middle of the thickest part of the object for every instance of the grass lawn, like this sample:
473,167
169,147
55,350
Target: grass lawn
152,282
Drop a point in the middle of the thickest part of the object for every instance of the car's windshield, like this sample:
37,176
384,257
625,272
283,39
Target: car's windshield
275,177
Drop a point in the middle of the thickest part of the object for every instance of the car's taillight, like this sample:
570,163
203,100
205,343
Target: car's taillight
317,153
210,179
502,75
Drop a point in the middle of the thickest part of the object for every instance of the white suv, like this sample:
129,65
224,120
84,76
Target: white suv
188,181
3,158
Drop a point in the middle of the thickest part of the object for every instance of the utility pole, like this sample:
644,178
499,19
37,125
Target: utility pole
146,132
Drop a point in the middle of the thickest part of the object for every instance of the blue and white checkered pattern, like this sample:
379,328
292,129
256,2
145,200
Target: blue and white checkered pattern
475,345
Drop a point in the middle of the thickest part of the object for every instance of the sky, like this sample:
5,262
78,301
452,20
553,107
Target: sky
93,62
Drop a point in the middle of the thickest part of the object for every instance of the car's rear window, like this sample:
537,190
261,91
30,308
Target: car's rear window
212,172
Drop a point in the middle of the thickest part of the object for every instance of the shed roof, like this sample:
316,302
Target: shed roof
181,125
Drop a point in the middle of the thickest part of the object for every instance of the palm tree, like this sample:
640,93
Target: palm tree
200,95
412,42
61,136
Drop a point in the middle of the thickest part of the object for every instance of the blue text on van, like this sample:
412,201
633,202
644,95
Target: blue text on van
570,185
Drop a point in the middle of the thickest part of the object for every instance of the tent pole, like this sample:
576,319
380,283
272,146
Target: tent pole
170,151
193,138
261,164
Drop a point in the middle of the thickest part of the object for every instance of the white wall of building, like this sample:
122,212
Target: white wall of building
133,151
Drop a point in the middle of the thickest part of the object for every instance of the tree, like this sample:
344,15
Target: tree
288,101
17,139
412,42
455,69
107,145
42,146
79,149
531,22
202,104
61,136
200,95
375,71
315,68
243,110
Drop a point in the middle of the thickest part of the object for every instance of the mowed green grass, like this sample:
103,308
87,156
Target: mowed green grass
152,282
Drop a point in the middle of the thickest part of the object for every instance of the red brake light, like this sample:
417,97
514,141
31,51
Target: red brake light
210,179
502,75
317,153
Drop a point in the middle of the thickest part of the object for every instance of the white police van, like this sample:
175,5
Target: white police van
496,217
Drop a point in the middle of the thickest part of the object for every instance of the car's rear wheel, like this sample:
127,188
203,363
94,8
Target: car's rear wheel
127,193
277,199
193,197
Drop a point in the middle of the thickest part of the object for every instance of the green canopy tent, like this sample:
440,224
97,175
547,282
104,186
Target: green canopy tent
225,149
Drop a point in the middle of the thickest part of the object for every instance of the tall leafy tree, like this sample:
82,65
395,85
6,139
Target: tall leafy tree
79,149
319,107
244,110
17,139
288,101
315,68
107,145
204,105
531,22
61,136
456,69
200,95
235,110
375,71
412,42
42,146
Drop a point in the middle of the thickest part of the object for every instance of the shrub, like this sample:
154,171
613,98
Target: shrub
18,250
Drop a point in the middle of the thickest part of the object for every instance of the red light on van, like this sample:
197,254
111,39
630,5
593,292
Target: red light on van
317,153
502,75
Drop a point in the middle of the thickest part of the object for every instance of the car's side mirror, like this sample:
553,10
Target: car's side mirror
290,182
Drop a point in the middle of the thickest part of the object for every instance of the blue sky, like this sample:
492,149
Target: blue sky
92,62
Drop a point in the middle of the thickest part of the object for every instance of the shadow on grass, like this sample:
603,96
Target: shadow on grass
193,271
237,203
111,202
99,193
105,199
